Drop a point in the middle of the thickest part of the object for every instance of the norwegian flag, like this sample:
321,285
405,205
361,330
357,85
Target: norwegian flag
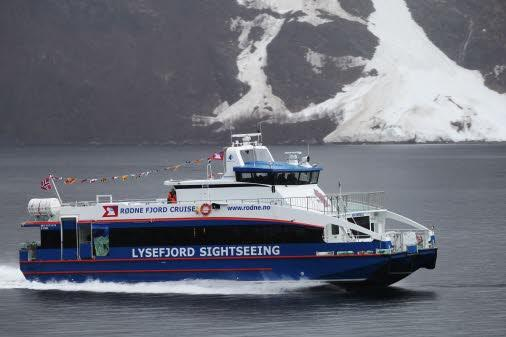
45,183
217,156
321,197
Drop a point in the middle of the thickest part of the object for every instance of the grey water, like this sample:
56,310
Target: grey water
461,189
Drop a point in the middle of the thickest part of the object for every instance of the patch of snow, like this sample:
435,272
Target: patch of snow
315,12
348,62
220,108
498,70
318,61
259,101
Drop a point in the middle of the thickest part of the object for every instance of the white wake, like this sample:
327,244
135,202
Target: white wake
11,278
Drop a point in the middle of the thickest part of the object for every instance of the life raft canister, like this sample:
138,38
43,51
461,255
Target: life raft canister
205,209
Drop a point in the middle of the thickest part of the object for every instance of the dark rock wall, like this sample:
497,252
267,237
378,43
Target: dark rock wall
359,8
114,71
291,75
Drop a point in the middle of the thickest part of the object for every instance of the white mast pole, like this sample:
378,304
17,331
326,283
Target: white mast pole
55,188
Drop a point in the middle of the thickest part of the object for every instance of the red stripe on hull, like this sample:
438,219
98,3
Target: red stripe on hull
145,271
204,258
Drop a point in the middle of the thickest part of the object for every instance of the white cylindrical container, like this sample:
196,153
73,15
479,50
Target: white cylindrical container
47,207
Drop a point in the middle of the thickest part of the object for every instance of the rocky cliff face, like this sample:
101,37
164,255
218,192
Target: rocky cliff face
188,71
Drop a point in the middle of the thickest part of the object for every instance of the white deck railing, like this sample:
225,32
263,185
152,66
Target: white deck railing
332,204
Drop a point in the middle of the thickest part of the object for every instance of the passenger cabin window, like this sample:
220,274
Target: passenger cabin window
50,239
279,178
214,235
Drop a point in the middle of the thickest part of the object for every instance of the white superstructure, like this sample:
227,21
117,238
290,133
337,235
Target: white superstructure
256,186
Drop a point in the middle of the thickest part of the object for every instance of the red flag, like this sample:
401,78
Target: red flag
217,156
321,197
45,184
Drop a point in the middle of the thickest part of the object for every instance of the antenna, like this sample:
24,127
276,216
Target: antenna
259,129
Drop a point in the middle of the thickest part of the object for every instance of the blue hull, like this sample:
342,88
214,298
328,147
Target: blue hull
353,269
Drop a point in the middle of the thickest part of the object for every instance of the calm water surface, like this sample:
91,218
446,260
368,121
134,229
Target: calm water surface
459,188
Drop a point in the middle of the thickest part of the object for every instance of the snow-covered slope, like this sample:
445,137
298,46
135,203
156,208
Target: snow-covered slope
410,89
419,93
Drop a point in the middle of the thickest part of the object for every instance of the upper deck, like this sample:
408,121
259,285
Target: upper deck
330,204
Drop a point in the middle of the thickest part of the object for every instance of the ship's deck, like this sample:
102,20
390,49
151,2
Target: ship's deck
331,204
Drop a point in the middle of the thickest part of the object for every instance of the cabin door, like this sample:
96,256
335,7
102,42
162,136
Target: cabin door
84,245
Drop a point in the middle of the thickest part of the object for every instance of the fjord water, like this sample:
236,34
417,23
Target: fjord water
461,189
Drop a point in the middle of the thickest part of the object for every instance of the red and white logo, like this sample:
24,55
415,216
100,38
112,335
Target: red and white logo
110,211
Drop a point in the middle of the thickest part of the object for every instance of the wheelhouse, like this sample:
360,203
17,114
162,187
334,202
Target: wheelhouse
276,173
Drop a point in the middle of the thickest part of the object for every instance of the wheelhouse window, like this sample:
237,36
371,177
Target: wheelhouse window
263,155
314,177
256,155
279,178
248,155
255,177
287,178
304,178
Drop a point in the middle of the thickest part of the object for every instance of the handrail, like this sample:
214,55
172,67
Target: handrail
334,204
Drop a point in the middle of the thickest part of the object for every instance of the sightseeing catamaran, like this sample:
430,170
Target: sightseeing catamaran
260,220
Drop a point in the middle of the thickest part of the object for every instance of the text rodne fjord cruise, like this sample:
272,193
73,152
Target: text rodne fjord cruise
261,220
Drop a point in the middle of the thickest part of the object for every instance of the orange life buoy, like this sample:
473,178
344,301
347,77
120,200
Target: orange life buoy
205,209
